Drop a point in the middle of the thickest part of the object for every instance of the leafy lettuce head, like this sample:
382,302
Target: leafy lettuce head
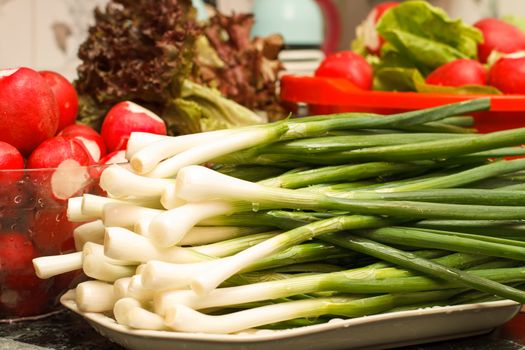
426,36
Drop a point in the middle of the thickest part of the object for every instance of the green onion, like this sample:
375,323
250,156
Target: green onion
411,261
438,127
351,172
209,276
343,143
464,120
485,238
432,239
463,177
430,150
338,122
496,228
392,185
494,153
197,183
371,279
456,195
182,318
238,140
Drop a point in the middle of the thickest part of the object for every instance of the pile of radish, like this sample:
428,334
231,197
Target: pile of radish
45,158
498,62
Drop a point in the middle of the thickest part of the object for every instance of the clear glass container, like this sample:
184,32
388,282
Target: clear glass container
33,223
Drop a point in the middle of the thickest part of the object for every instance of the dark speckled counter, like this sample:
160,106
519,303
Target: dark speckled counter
67,331
61,331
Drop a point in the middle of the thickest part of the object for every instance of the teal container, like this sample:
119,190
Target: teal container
300,22
202,14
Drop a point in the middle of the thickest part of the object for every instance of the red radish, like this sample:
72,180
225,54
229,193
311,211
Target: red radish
52,232
459,73
13,192
367,30
15,219
380,9
125,118
26,280
25,302
91,139
54,151
68,280
508,75
78,129
16,251
499,36
10,159
66,97
28,109
115,157
349,65
17,202
17,196
68,157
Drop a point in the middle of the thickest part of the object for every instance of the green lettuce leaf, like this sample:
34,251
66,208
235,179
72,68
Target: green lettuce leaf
391,57
397,79
358,46
228,111
184,116
460,90
200,108
426,37
410,79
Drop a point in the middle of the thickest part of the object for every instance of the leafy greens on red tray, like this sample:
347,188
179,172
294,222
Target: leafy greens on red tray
419,38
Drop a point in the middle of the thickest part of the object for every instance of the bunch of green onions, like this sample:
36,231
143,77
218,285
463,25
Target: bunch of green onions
299,221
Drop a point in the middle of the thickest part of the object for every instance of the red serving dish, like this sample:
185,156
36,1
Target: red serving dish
334,95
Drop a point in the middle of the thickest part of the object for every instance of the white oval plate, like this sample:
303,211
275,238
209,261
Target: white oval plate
369,332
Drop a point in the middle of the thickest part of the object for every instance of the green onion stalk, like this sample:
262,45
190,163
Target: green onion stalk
247,137
421,238
425,266
430,150
375,279
182,318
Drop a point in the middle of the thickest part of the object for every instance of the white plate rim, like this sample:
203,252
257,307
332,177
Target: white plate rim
68,301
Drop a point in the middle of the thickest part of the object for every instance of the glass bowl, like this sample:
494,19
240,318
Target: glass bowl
33,223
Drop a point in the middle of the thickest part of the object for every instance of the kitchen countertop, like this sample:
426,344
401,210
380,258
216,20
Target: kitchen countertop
68,331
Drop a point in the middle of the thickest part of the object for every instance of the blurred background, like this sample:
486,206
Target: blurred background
45,34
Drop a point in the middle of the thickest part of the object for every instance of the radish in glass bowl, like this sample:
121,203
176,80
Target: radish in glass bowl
34,223
34,196
45,160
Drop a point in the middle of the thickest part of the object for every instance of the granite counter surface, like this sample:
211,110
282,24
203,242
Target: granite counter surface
67,331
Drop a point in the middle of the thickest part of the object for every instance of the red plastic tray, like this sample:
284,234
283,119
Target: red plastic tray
332,95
